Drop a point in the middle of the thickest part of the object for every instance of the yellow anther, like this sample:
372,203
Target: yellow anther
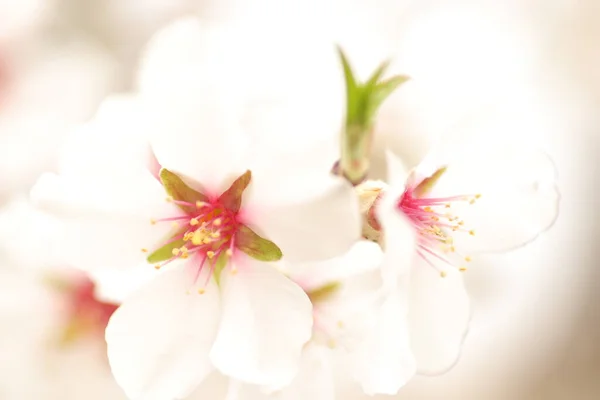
472,201
229,252
455,228
169,199
478,196
201,291
194,221
174,224
340,324
331,344
462,269
435,218
215,234
157,266
210,254
153,221
447,205
184,256
201,204
198,237
468,259
176,251
427,209
472,232
452,249
443,274
144,250
234,271
449,240
461,223
217,222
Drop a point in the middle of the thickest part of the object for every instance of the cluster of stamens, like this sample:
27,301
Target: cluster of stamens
435,226
207,233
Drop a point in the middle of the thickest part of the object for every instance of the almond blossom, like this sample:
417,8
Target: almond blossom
177,175
466,198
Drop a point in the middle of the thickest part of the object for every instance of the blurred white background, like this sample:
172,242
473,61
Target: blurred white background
537,310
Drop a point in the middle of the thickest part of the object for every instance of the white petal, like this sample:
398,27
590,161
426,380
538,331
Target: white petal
439,314
266,321
160,338
398,239
322,226
314,381
363,257
384,362
519,195
113,146
106,229
115,285
193,116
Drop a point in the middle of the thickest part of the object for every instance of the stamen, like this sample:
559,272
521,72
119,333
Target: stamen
435,228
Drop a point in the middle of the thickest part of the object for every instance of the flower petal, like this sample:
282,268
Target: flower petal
106,227
266,321
439,314
324,225
398,240
193,116
363,257
314,381
519,196
384,362
160,338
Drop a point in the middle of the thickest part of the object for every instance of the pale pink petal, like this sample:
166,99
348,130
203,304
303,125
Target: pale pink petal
439,315
159,339
266,321
319,226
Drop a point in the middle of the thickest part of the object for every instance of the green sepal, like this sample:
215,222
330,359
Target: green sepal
220,264
180,191
165,252
428,183
323,293
232,197
255,246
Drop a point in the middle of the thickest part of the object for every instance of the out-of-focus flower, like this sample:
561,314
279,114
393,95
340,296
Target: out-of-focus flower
52,337
23,18
238,196
45,90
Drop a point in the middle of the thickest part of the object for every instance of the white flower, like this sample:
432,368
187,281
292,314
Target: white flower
469,196
240,193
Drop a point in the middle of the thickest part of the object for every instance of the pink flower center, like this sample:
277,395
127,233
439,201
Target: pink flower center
435,226
206,234
83,312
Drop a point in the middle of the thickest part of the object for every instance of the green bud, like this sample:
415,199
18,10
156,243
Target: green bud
363,101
